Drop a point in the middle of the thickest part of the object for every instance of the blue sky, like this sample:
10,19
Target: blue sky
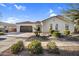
19,12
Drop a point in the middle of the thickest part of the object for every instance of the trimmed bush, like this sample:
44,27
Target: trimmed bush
35,47
1,33
52,48
56,34
51,31
20,43
66,32
17,47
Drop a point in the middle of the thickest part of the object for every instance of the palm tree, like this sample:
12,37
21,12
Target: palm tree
73,13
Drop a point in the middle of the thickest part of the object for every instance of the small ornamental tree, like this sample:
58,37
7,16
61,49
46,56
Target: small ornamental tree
50,29
37,31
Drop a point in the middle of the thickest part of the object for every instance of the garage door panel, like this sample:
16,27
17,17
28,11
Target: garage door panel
26,29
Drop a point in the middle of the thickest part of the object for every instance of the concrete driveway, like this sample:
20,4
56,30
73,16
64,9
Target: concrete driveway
20,35
14,34
9,34
7,42
11,38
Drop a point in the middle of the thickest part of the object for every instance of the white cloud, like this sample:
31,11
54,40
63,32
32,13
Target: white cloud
19,7
3,5
11,20
51,13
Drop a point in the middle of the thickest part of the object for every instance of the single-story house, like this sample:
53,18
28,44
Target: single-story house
59,23
7,27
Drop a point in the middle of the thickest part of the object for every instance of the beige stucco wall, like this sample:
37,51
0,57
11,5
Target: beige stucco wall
54,21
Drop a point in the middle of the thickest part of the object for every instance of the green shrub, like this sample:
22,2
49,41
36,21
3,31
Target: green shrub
52,48
35,47
1,33
37,33
17,47
56,34
0,30
51,31
66,32
20,43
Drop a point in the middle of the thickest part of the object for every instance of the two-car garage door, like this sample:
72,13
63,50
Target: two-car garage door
25,28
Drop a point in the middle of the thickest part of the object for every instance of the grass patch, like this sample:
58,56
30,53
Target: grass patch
2,33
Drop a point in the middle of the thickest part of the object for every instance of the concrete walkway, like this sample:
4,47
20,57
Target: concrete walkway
21,35
6,43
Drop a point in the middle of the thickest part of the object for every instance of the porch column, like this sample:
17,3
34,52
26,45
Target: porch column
33,27
18,28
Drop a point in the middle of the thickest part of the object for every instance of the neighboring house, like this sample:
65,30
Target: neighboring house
59,23
7,27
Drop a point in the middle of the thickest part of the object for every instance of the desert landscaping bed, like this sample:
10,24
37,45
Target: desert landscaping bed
25,53
65,47
63,51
